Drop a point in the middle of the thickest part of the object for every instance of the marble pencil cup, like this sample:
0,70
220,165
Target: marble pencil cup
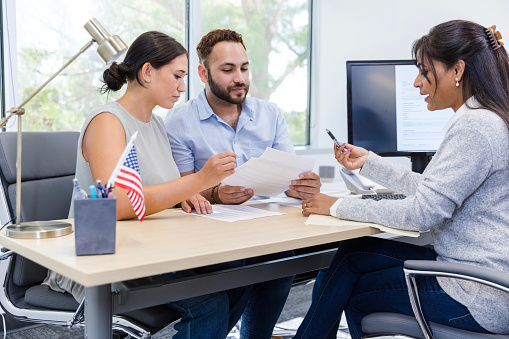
95,222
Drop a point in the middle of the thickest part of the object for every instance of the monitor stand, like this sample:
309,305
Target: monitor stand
419,162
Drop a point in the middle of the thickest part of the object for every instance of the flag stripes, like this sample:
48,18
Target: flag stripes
129,178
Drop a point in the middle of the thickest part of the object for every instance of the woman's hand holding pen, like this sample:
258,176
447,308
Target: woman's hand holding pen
218,167
350,156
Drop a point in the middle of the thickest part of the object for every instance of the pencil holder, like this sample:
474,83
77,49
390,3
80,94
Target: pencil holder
95,222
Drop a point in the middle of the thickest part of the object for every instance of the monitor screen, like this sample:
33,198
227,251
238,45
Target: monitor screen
387,115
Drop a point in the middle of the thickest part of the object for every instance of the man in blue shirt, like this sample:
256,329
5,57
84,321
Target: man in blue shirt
222,118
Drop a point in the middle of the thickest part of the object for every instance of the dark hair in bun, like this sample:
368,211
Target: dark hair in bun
156,48
115,77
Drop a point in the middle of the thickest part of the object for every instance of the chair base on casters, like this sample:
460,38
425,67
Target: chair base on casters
391,324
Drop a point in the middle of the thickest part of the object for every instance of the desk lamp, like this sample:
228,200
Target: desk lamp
110,48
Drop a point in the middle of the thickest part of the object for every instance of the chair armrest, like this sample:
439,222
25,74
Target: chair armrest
6,254
483,275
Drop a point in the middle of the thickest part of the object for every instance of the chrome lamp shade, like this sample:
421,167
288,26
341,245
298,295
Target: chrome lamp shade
110,46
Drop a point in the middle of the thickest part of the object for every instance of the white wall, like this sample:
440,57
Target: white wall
371,30
374,29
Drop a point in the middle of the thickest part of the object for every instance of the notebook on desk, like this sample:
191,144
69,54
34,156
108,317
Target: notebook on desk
327,220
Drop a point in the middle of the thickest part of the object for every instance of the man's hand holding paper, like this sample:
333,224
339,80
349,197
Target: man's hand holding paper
305,187
274,172
233,195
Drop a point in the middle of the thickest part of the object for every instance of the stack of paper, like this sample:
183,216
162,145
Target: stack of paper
271,174
286,201
232,213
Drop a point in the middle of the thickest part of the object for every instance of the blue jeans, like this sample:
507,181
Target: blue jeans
366,276
263,302
212,316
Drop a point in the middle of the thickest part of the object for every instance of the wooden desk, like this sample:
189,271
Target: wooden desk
171,241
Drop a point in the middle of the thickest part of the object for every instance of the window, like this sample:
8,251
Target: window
48,33
276,37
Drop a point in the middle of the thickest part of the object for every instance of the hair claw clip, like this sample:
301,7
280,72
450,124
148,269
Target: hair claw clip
494,37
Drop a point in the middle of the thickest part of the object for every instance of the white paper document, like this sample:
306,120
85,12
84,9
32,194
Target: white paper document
233,213
271,173
286,201
328,220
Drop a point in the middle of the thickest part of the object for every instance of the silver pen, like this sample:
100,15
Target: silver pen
333,138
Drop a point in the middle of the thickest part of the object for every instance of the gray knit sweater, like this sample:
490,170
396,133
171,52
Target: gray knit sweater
462,198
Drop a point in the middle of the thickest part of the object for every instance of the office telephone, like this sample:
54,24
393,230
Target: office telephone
354,183
361,185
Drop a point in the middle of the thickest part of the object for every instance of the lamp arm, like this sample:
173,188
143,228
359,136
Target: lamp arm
18,110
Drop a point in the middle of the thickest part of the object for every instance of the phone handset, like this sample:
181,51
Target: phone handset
354,184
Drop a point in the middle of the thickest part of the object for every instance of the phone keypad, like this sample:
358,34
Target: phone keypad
377,197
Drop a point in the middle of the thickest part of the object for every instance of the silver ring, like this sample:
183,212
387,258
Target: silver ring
306,205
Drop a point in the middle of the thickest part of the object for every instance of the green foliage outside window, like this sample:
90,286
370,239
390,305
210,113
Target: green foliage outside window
275,34
269,28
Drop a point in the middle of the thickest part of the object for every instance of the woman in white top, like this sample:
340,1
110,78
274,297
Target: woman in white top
154,69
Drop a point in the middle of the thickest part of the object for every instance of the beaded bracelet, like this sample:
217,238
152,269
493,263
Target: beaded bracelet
212,199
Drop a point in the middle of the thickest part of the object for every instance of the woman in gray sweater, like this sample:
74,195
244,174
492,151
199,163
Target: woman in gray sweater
462,198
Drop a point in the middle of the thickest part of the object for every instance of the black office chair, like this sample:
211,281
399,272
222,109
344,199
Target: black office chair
383,323
49,161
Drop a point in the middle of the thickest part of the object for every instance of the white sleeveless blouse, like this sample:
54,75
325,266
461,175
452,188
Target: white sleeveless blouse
155,161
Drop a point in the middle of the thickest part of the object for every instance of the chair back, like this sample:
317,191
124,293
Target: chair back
48,166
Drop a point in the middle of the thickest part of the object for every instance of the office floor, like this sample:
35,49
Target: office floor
293,312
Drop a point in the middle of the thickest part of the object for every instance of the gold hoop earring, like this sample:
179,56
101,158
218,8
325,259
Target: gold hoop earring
457,83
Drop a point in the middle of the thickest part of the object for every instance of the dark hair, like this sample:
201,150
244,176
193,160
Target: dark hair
209,40
156,48
486,75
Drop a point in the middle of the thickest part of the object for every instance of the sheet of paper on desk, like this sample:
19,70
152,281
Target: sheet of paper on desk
232,213
328,220
271,174
286,201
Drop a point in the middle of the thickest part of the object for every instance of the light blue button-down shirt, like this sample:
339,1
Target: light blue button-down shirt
196,132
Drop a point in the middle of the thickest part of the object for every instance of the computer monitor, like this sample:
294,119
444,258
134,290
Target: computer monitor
388,116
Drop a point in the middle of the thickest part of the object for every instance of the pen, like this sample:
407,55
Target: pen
336,142
93,193
333,138
101,192
78,193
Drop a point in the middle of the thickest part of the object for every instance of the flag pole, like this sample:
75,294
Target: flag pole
121,160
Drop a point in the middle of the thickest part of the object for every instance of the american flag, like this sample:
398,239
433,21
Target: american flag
129,178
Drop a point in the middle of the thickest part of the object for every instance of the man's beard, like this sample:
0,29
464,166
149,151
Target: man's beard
225,94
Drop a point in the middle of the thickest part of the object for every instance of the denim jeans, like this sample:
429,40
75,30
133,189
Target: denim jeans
212,316
333,332
366,276
202,317
264,302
